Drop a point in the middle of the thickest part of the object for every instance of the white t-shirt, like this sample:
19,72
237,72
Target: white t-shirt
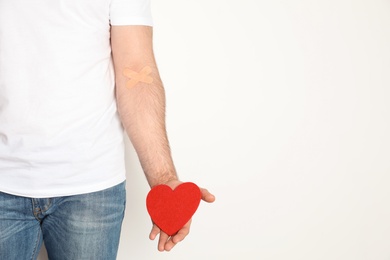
60,133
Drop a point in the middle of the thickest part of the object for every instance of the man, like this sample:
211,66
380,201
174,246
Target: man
73,75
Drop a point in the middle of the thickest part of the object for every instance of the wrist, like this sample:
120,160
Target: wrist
166,179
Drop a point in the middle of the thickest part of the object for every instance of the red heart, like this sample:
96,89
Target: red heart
171,209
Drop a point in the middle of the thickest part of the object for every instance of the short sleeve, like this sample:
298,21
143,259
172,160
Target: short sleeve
130,12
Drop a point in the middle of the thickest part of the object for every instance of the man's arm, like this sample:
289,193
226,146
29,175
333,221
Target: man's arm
141,105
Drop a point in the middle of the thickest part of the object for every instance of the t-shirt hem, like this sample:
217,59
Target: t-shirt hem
80,191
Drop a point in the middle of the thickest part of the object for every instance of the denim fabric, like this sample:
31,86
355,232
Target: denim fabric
85,226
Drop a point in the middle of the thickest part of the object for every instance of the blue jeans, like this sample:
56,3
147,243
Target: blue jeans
85,226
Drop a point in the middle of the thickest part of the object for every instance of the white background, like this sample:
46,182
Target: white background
281,109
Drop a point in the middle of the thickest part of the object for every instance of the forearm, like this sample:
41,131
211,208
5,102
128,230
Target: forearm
142,111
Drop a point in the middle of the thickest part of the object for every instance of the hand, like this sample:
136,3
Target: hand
167,242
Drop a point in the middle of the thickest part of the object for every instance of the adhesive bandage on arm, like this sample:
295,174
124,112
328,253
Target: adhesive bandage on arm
136,77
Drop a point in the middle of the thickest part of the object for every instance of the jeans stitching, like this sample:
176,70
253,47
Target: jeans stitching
47,207
33,210
36,245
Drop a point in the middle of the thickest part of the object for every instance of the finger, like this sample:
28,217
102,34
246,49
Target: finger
178,237
154,232
162,240
207,196
169,245
182,233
